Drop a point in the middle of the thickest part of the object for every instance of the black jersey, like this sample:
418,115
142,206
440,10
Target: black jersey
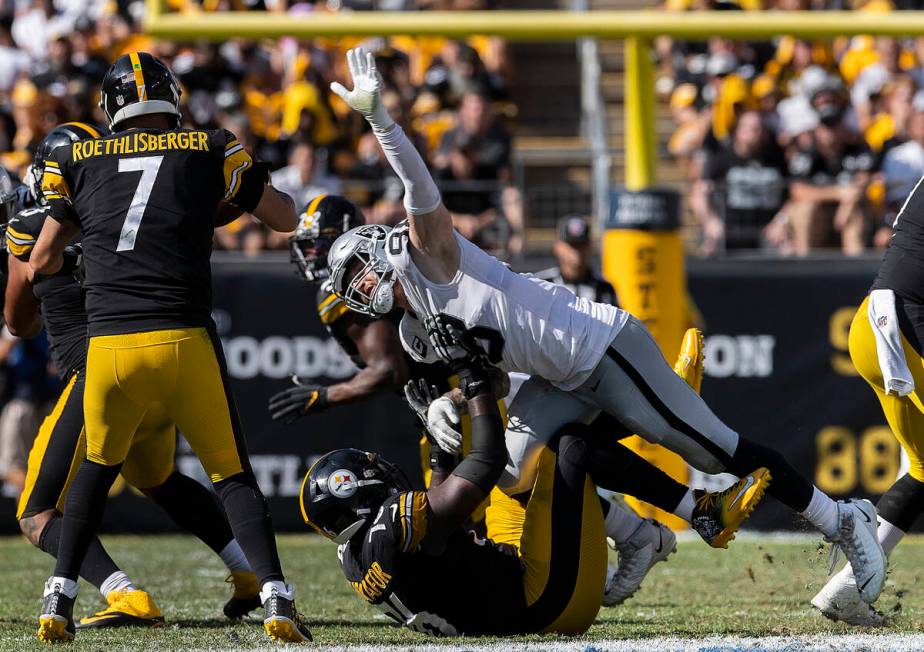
145,201
336,317
60,295
902,268
473,586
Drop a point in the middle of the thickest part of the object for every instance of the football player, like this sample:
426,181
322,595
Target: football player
886,344
145,199
397,544
374,345
56,302
371,342
583,357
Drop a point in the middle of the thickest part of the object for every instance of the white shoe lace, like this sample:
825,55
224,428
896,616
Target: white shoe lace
847,541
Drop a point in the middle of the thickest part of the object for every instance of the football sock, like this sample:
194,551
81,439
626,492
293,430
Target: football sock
620,524
251,523
787,485
97,564
194,509
902,503
685,509
889,535
118,581
822,512
898,509
234,557
83,512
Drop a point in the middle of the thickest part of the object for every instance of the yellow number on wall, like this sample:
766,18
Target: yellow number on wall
836,471
879,459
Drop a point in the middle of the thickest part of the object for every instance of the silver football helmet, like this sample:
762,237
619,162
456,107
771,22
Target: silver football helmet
352,256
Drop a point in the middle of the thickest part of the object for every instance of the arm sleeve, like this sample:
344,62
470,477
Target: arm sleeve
55,187
243,178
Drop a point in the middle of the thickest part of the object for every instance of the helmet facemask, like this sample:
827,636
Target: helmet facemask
365,254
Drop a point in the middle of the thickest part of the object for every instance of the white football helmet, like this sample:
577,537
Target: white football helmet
352,256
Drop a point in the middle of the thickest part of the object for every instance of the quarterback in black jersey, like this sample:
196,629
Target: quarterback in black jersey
57,303
397,544
145,200
889,326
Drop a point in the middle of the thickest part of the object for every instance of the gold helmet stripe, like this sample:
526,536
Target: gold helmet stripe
90,129
139,76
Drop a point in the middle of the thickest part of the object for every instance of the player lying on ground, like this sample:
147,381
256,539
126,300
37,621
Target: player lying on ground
886,345
407,551
56,302
372,342
583,357
145,200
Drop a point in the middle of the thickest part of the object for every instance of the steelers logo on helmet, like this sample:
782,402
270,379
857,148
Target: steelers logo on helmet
342,483
137,84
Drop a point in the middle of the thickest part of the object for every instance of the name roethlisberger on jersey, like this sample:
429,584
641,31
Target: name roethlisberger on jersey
136,143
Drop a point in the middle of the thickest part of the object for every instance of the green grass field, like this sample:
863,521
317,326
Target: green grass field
759,587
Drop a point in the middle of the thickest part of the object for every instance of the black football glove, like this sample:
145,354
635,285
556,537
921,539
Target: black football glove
450,339
73,262
461,351
292,404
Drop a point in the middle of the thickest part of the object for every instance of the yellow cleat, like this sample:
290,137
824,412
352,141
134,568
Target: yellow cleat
717,516
691,359
126,609
246,596
54,630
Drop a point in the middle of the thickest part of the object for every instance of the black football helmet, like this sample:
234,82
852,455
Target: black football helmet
63,134
139,83
345,488
325,219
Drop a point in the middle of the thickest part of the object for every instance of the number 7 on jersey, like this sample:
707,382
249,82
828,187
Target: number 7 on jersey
148,166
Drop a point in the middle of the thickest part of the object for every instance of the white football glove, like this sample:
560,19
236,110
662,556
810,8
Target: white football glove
365,98
442,420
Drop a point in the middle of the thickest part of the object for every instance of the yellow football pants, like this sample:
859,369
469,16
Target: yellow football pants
904,414
563,550
60,446
177,371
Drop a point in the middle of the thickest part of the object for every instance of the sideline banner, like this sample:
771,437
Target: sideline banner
777,371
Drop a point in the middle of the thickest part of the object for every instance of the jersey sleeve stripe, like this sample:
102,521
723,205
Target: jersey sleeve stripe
235,164
17,237
52,170
234,149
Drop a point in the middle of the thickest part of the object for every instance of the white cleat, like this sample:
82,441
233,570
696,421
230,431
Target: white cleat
856,536
840,600
650,543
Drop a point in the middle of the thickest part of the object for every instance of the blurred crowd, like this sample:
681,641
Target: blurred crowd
793,145
449,95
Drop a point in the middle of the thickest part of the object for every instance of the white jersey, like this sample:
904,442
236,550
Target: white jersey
543,329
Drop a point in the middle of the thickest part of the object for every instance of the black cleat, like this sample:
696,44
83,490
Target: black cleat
56,622
246,596
282,621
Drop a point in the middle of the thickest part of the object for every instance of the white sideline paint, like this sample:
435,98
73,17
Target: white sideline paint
809,643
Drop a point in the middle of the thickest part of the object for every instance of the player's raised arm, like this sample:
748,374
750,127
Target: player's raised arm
431,224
